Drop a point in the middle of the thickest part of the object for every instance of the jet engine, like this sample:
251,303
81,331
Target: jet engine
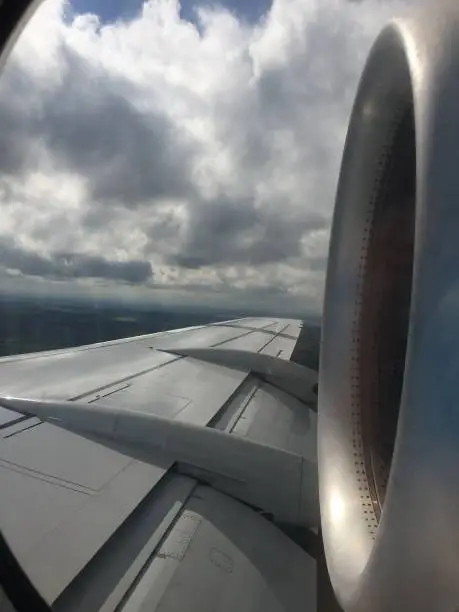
388,429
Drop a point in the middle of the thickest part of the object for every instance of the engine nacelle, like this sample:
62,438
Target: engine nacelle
389,372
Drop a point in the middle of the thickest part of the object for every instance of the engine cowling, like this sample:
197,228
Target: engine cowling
388,424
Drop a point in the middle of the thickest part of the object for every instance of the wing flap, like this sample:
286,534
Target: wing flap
110,574
222,556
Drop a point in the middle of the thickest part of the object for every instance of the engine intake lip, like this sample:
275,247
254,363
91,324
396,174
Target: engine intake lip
388,424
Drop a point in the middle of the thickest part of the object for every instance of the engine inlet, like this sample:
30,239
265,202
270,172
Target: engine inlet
383,304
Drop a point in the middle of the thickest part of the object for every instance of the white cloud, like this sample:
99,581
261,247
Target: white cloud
209,154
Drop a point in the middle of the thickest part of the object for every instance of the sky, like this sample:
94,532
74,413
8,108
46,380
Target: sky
182,153
110,11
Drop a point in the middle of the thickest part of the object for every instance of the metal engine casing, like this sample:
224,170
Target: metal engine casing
388,428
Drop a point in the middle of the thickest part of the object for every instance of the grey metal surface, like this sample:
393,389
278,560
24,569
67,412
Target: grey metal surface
7,417
230,463
221,556
14,428
298,380
277,419
54,525
407,558
180,390
63,493
73,372
109,576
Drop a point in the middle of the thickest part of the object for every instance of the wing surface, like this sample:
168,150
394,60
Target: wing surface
93,522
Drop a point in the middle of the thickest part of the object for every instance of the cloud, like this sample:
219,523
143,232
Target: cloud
206,151
89,125
70,265
234,231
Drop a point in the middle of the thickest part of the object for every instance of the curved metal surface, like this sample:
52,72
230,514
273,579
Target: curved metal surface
407,556
293,378
238,466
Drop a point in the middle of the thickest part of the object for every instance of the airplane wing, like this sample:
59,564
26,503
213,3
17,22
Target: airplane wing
164,472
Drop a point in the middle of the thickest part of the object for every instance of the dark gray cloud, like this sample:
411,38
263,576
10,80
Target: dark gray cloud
18,123
226,232
72,265
90,125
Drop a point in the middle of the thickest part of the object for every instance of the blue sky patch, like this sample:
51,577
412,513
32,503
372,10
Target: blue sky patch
110,11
